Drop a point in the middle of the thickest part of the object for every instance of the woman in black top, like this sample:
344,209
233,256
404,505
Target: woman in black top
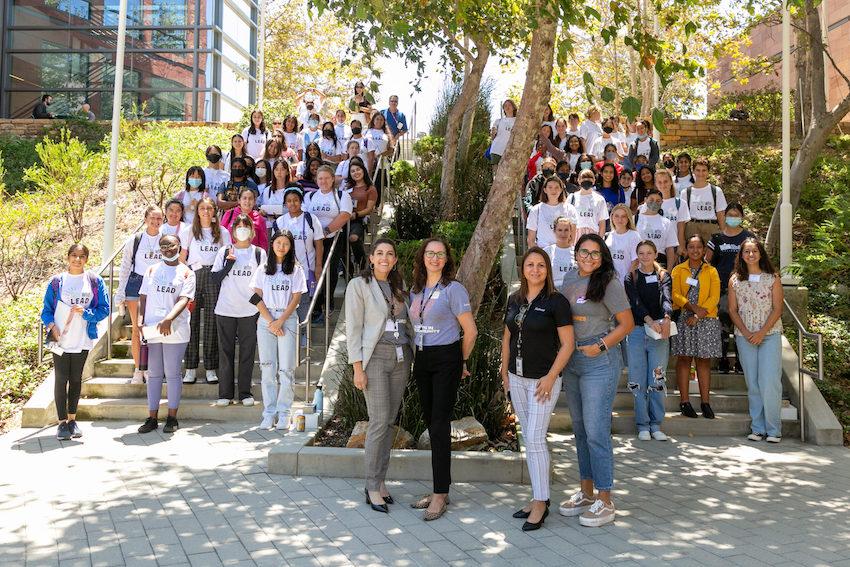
537,343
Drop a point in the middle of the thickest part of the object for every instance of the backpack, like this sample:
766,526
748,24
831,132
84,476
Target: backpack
713,196
137,240
56,283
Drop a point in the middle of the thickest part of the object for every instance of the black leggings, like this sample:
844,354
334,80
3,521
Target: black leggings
437,371
68,372
358,250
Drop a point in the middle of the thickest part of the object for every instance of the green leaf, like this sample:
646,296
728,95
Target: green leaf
607,94
630,107
690,28
658,120
592,13
588,79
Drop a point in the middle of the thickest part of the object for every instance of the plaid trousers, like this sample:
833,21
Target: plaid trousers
206,296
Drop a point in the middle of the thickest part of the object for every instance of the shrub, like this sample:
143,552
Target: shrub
448,97
18,154
272,108
762,104
26,222
417,208
91,133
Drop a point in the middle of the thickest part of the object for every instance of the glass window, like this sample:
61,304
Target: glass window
237,28
77,8
64,40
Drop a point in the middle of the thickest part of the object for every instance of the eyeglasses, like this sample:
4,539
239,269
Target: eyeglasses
430,254
584,254
393,100
749,252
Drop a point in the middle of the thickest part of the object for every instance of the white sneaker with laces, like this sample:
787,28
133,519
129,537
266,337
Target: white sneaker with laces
755,437
659,436
577,504
212,377
267,423
644,435
248,402
773,439
138,377
283,423
189,377
222,402
598,515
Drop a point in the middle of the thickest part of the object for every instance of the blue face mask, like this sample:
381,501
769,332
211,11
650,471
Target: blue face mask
194,182
734,221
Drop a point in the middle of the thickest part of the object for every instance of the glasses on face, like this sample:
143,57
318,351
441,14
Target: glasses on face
750,252
430,254
393,100
584,254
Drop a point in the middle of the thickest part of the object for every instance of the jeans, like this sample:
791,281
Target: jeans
68,375
591,386
647,363
277,365
763,371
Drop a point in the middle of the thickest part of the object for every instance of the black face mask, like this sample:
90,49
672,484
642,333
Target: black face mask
356,130
328,133
607,129
310,106
586,184
669,164
548,172
563,175
213,158
237,172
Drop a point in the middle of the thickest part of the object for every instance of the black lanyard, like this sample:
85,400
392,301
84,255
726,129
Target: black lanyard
425,303
390,303
520,321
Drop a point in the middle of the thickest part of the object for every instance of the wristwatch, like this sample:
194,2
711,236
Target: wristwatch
602,346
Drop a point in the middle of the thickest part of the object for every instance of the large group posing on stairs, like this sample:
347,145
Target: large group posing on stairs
624,258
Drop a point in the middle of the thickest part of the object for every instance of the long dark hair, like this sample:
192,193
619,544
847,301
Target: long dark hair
251,128
214,224
521,296
349,181
333,132
420,273
641,192
199,170
615,182
307,151
288,265
307,175
765,264
394,277
581,149
232,151
601,276
273,183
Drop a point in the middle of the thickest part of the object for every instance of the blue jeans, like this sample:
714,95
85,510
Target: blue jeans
763,371
591,386
647,362
277,365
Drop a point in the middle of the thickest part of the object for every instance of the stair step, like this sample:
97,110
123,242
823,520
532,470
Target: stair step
120,388
137,409
718,381
727,401
725,424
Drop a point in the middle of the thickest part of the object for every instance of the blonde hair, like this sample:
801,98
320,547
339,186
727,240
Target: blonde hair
630,224
664,171
592,109
562,218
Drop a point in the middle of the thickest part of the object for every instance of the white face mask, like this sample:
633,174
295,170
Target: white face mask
172,258
243,234
261,172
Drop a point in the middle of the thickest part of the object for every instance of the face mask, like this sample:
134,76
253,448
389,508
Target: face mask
586,184
734,221
643,137
238,172
328,133
548,172
585,165
653,206
171,258
356,130
607,129
261,172
194,182
611,156
243,234
563,175
310,106
669,164
213,158
313,123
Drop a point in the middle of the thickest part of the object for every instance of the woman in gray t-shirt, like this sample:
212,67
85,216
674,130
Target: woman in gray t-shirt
596,297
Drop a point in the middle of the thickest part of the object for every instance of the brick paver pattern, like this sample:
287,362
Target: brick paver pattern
203,497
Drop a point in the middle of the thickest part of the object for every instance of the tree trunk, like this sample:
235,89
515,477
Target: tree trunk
488,235
803,100
816,62
466,131
467,99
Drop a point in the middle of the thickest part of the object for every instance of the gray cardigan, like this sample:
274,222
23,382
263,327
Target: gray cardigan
366,316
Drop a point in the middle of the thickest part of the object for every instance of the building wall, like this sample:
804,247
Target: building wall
767,41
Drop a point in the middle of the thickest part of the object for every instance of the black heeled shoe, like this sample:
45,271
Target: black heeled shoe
389,499
522,514
376,507
530,527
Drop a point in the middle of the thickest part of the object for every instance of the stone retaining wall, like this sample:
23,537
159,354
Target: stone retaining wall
681,132
32,128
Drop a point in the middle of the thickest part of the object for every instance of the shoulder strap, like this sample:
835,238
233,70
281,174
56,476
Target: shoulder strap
688,195
257,255
337,195
713,195
55,284
137,239
93,284
678,204
309,218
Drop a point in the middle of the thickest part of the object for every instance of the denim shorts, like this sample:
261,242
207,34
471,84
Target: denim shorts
134,284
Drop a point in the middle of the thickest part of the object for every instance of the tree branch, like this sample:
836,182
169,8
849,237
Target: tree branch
458,45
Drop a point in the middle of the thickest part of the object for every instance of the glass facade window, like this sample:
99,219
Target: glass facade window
184,59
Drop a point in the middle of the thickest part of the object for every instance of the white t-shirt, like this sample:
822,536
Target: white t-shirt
562,260
542,217
190,200
215,178
277,290
255,144
148,253
163,285
267,197
168,230
305,237
328,147
623,249
659,230
327,206
598,149
343,133
202,252
342,171
670,212
76,290
590,130
236,290
642,148
682,183
293,140
702,207
377,140
309,136
591,209
503,127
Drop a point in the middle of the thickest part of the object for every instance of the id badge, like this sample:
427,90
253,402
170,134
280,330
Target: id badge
399,353
519,366
652,279
161,312
691,282
435,295
580,299
391,326
754,278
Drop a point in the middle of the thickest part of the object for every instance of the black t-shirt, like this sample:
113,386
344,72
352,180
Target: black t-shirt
725,250
540,341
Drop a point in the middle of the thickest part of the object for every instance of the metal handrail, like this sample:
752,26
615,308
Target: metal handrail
801,369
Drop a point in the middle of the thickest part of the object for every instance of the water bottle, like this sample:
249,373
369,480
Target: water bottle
143,356
318,399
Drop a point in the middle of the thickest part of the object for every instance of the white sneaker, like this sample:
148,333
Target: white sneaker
248,402
282,423
189,377
598,515
644,435
659,436
222,402
755,437
577,504
773,439
138,377
212,378
145,375
267,423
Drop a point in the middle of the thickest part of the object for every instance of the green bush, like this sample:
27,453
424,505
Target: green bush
18,154
448,97
417,208
762,104
272,108
91,133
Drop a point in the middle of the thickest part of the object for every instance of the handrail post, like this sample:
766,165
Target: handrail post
801,385
328,299
309,357
40,341
109,320
347,248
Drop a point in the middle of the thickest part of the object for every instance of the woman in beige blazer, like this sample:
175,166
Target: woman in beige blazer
379,347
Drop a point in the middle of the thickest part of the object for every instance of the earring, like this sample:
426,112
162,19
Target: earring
371,267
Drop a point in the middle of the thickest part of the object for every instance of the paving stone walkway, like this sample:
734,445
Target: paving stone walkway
203,497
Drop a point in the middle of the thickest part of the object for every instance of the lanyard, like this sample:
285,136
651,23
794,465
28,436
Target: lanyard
520,321
426,302
391,307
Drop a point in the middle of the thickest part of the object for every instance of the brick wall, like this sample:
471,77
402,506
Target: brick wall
31,128
699,132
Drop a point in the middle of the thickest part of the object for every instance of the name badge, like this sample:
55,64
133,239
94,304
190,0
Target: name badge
391,326
399,353
755,278
435,295
652,279
519,366
579,318
580,299
161,312
691,281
